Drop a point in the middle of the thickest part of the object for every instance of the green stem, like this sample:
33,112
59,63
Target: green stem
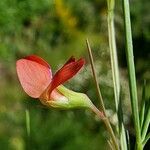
113,51
131,71
115,73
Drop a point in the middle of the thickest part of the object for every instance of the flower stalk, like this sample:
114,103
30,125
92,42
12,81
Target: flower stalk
95,110
95,77
107,125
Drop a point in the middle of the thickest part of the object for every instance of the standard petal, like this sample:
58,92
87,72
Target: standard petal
34,75
38,59
65,73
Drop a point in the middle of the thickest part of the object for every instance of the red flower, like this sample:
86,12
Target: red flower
36,77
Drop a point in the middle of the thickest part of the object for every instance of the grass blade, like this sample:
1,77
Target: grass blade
27,122
115,73
142,111
146,139
131,71
110,145
146,121
128,140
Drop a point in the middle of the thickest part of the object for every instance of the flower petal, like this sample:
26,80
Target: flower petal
71,59
38,59
34,75
65,73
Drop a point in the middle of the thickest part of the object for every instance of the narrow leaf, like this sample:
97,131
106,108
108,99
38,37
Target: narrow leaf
128,139
27,121
146,121
146,139
111,145
131,71
142,111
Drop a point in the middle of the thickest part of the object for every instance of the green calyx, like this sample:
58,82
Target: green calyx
70,100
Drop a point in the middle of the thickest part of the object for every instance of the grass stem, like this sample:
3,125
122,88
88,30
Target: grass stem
115,73
131,71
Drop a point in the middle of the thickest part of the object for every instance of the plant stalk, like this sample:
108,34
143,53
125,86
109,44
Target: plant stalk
131,71
108,126
115,73
113,51
95,110
95,78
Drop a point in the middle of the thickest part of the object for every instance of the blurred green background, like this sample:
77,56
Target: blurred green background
56,30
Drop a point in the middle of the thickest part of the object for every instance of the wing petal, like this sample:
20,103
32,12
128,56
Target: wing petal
65,73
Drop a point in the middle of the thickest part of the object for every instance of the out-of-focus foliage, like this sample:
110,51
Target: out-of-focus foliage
55,30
